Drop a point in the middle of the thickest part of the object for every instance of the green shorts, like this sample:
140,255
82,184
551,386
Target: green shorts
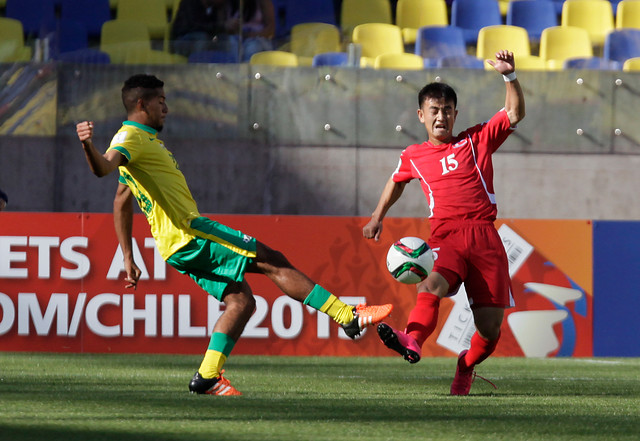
217,256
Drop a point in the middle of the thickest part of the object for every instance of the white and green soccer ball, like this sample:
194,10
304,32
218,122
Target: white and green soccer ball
410,260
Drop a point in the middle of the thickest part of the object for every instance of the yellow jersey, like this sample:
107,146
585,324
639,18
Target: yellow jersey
158,185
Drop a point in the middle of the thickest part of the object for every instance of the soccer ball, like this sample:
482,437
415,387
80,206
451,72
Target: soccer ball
410,260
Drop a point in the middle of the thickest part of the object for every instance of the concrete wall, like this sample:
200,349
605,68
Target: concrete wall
241,178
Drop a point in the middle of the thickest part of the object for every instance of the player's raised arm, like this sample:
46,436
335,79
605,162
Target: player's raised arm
101,165
391,193
514,101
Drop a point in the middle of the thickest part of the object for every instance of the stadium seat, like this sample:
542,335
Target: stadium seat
120,37
174,9
591,63
152,13
212,57
561,42
628,14
631,65
356,12
274,58
473,15
12,48
84,56
492,39
504,6
308,11
435,42
330,59
558,6
595,16
533,15
414,14
531,62
377,39
622,44
92,13
464,62
33,14
403,61
66,36
309,39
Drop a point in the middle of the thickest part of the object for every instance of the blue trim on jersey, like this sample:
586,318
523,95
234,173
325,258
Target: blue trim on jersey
140,126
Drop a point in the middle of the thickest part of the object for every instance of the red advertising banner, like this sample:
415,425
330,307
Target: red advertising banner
62,289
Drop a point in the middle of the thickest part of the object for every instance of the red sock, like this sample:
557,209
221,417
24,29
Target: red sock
423,317
480,349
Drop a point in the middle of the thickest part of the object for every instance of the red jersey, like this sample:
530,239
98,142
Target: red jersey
457,177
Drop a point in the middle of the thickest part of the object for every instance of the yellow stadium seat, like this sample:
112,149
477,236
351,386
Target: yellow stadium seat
628,14
631,65
274,58
153,13
174,9
404,61
492,39
12,46
121,38
356,12
531,62
377,39
504,6
594,16
411,15
309,39
558,43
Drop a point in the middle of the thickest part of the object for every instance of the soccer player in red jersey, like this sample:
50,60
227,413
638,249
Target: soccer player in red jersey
456,175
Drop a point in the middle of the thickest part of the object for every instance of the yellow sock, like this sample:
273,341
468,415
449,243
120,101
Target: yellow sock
322,300
338,310
220,347
212,364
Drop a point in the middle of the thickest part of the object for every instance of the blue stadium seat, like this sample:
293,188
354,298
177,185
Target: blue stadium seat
592,63
330,59
65,36
464,62
93,13
435,42
622,44
533,15
85,56
558,6
33,14
472,15
212,57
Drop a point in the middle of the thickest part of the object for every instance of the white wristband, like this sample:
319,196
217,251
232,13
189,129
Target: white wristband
510,77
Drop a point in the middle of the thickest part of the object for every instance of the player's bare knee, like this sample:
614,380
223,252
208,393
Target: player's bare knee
434,286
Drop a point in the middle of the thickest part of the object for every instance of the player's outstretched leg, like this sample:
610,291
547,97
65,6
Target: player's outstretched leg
400,342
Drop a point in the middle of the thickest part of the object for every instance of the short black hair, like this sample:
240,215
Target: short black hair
140,86
4,197
437,91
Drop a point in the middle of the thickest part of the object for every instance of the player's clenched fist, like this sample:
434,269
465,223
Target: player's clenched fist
84,130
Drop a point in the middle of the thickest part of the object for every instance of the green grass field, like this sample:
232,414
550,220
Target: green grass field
144,398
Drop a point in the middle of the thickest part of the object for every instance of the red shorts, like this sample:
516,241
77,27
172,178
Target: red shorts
471,252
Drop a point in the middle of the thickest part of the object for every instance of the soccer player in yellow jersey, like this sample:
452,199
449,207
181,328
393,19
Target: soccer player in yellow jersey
214,255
